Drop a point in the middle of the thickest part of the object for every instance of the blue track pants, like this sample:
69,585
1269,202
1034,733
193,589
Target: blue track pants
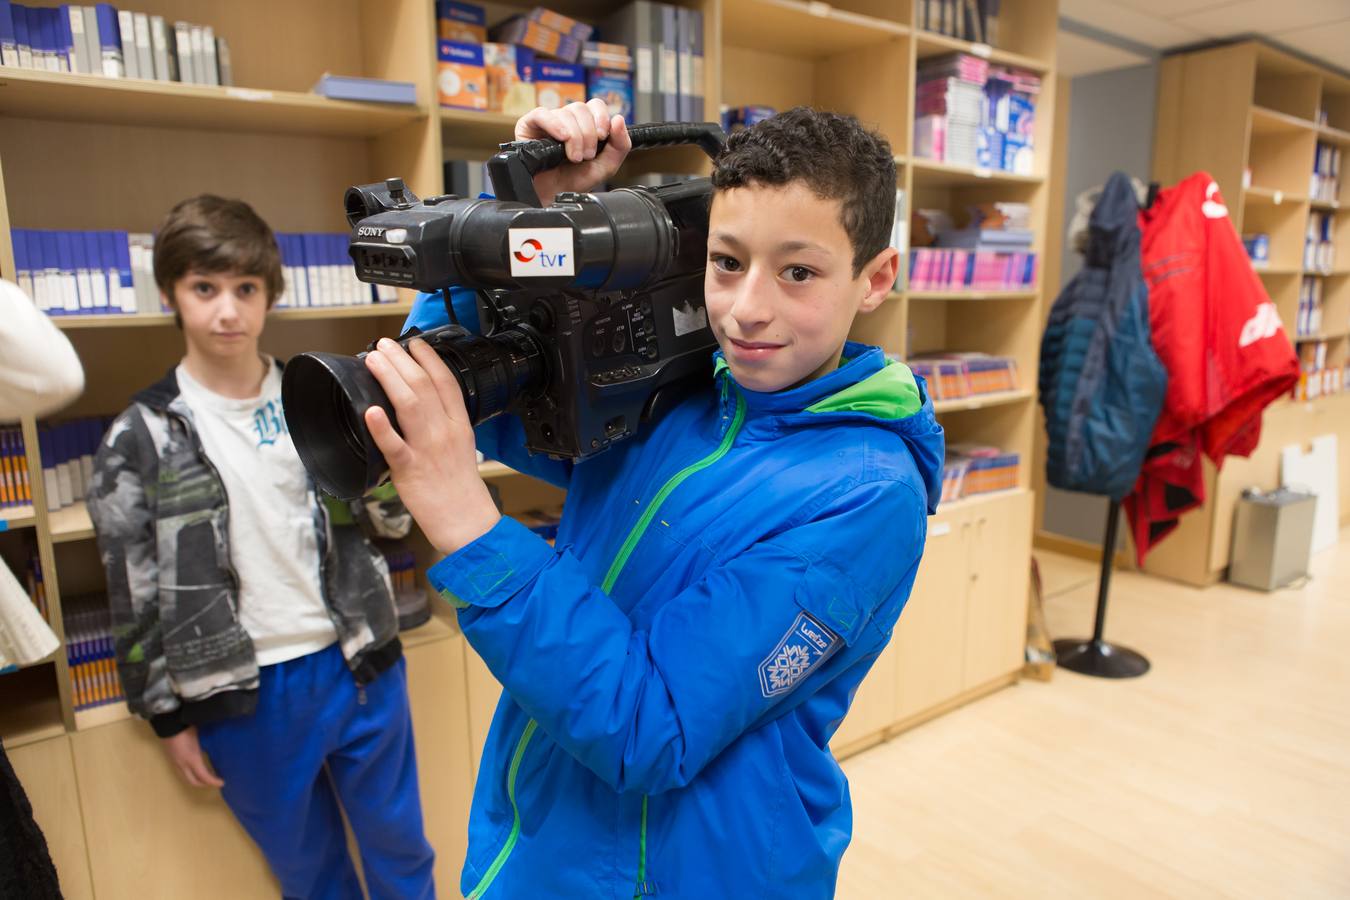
317,740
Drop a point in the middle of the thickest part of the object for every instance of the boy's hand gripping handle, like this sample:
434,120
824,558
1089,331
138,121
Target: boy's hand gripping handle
513,169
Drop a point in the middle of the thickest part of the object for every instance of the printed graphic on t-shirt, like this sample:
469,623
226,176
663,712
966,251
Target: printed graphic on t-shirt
269,423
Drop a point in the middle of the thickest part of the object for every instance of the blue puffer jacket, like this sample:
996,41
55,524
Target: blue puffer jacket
1101,385
675,668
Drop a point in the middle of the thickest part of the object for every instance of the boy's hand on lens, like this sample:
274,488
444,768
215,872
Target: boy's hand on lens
434,463
185,752
581,127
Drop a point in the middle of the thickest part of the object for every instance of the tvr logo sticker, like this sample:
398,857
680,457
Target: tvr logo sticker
528,250
541,252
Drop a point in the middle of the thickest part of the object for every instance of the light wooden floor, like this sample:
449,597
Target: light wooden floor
1223,772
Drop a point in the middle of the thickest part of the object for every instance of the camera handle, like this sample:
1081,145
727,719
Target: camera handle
512,170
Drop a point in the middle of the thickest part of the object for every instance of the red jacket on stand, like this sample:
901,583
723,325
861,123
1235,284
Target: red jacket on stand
1220,338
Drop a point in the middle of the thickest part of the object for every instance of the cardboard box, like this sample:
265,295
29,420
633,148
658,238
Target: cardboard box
615,88
463,23
560,23
461,80
559,84
607,56
539,38
510,78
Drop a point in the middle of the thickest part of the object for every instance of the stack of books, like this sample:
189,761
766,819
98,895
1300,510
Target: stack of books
37,585
1318,376
970,270
973,469
15,489
545,58
961,375
113,272
103,40
1325,184
68,450
970,113
318,272
90,651
1319,248
1309,308
949,108
969,20
993,252
1257,245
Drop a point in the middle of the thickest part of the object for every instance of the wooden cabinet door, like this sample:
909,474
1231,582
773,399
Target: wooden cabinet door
47,773
1000,579
873,708
151,837
485,691
930,636
438,699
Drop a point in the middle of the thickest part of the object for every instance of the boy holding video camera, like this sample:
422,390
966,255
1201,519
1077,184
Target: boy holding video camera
253,620
722,581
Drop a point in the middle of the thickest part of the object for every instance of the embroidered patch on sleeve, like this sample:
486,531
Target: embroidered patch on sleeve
800,652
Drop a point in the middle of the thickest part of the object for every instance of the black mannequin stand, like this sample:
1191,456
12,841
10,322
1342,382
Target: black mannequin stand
1096,656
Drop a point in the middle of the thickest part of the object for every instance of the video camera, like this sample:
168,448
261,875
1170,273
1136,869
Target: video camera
591,308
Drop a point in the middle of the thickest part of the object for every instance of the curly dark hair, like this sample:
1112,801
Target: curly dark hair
832,154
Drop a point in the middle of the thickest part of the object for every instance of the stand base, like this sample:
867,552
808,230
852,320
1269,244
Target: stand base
1100,659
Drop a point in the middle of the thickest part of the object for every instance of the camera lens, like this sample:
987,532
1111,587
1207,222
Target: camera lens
326,395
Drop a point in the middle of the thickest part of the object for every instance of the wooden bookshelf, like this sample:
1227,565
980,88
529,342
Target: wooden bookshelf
95,716
1263,195
472,131
287,314
30,709
1258,108
17,517
972,295
933,172
983,401
67,96
804,30
82,152
932,44
70,523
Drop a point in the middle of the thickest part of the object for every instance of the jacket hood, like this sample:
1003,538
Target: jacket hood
867,387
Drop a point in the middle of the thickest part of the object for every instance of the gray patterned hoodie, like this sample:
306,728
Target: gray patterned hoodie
161,515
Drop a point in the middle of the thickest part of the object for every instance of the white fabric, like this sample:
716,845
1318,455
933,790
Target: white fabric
39,371
25,637
273,544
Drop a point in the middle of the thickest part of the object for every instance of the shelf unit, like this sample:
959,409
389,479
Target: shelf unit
1226,110
93,153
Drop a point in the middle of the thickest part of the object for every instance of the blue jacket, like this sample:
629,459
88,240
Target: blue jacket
675,667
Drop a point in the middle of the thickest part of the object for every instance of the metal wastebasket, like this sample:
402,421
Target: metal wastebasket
1272,538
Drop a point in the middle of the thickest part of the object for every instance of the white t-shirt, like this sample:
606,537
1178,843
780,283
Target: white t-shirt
273,544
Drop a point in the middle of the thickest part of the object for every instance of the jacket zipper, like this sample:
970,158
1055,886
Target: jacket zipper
625,551
629,545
